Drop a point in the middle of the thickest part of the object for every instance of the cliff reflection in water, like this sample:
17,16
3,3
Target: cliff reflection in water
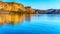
13,18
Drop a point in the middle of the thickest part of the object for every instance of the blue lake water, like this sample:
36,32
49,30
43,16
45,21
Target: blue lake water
34,24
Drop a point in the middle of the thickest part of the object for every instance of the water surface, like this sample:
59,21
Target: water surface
29,23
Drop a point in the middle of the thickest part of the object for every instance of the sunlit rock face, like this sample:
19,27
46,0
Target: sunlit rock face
29,9
11,6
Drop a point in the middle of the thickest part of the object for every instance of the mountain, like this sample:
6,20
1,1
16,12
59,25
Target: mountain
49,11
54,11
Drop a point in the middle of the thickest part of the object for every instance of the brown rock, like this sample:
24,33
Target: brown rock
29,9
11,6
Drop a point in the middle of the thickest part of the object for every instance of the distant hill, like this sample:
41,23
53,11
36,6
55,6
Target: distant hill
49,11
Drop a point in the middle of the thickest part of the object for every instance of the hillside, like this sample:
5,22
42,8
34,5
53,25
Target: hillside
11,6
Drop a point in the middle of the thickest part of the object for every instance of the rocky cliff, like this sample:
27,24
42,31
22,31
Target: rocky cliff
11,6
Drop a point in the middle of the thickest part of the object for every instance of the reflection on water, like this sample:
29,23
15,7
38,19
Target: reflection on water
28,17
13,18
31,23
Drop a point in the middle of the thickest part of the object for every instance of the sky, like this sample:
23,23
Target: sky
38,4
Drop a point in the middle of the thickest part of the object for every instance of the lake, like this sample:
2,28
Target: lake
30,24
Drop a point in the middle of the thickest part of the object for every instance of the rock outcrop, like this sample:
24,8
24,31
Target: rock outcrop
29,9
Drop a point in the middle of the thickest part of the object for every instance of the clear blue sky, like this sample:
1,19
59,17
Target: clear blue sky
38,4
